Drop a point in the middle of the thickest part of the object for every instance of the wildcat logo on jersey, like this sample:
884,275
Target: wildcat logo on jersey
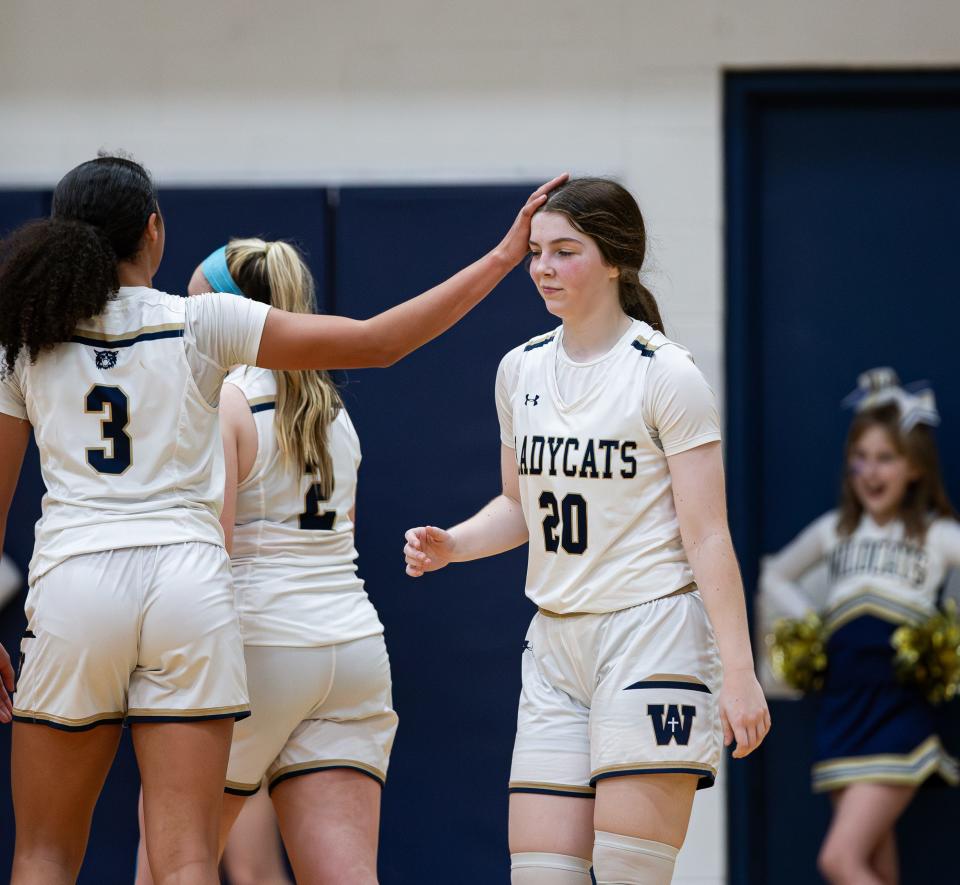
106,359
531,400
674,726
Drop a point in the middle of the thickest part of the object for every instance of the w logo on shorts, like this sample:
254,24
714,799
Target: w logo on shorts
675,725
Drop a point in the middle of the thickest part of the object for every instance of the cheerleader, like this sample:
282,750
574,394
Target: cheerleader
888,547
612,474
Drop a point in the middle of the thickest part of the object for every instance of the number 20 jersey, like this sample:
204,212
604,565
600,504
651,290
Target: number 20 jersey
594,481
125,418
293,558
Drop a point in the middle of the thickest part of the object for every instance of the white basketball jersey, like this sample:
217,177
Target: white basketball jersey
594,481
294,560
125,418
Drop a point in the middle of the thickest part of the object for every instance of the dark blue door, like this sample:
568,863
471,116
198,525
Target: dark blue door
843,200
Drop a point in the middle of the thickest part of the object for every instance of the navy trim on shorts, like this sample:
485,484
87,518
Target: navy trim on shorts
314,769
237,716
706,778
236,791
60,726
666,683
544,791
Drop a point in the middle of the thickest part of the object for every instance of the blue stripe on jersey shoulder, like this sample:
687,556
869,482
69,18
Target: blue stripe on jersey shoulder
537,344
262,407
644,350
113,344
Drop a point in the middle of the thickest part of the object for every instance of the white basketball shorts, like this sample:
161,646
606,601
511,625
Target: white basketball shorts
622,693
142,634
314,709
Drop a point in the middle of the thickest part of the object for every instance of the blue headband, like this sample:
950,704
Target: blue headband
214,268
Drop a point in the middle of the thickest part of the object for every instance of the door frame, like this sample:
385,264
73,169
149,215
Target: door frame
747,94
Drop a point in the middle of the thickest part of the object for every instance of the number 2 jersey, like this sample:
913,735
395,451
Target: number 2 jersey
591,443
125,418
294,559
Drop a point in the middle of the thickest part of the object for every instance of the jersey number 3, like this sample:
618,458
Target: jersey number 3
570,517
113,429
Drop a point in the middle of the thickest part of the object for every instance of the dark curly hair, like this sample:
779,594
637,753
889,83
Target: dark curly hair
57,271
607,213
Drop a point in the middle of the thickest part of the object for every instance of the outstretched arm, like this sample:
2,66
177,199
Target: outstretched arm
295,341
700,500
496,528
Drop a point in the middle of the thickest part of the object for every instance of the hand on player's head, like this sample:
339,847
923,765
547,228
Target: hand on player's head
516,243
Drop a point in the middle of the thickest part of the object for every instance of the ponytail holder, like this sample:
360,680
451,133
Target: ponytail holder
215,269
881,386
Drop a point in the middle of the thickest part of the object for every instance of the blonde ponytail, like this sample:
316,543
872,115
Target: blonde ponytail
307,401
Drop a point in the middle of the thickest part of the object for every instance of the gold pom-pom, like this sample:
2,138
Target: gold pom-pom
798,652
928,654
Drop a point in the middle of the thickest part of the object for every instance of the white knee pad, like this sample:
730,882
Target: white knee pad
540,868
626,860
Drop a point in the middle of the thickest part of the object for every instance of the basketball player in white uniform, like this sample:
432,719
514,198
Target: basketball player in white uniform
612,473
317,664
322,721
130,610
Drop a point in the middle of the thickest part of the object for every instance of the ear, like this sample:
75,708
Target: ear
153,228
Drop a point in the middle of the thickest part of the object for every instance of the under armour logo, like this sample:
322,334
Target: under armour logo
531,399
674,726
106,359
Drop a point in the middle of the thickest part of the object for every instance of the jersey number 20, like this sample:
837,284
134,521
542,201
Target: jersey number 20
113,429
570,517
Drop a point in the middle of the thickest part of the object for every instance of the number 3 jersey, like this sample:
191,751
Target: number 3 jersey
294,559
125,418
591,443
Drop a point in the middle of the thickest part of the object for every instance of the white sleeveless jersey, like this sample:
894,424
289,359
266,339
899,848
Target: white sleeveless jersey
876,570
294,560
594,481
125,419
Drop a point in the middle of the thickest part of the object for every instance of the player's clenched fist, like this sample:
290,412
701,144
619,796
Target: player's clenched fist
427,549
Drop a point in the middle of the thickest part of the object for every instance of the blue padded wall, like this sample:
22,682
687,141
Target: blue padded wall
17,207
429,431
198,220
